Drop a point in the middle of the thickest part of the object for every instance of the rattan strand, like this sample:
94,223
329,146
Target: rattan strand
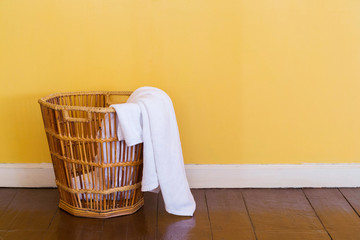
93,191
99,165
78,139
85,212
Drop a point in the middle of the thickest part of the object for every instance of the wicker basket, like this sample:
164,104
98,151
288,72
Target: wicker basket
97,175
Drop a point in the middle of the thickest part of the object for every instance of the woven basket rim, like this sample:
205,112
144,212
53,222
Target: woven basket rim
43,101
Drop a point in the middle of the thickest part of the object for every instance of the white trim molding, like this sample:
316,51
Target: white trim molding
214,176
27,175
273,175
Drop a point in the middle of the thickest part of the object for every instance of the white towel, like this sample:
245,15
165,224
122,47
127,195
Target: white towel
163,159
129,123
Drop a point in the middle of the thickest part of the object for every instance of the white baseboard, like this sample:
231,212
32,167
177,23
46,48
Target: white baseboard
214,176
273,175
27,175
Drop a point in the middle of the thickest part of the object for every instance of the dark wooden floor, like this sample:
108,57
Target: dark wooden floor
262,214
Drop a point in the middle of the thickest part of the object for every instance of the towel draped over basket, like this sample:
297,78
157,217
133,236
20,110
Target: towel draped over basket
149,117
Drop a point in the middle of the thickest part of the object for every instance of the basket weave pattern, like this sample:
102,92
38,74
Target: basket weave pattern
97,175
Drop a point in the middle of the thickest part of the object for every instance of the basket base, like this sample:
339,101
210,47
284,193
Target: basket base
91,213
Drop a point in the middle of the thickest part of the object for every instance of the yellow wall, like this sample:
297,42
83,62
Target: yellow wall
261,81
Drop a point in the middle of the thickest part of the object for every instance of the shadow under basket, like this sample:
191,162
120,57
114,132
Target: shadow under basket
97,175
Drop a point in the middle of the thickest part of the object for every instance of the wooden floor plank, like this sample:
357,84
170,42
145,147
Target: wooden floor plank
2,233
228,215
24,234
31,209
279,214
292,235
337,215
6,196
178,228
140,225
353,197
68,227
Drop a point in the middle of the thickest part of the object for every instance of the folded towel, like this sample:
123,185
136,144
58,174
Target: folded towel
163,159
129,123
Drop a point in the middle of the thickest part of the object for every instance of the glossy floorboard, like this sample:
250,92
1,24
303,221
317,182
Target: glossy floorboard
249,214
